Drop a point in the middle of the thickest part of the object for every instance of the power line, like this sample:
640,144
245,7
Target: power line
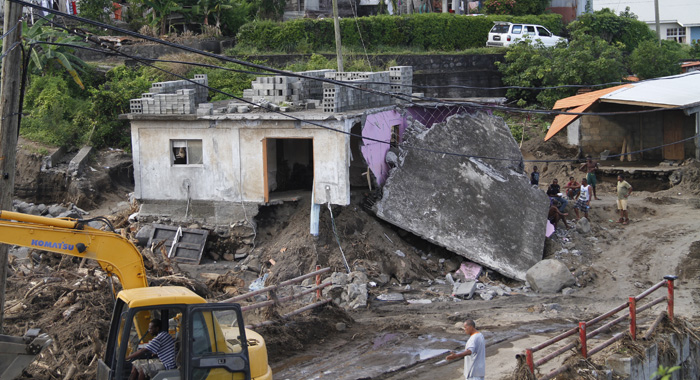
292,74
93,39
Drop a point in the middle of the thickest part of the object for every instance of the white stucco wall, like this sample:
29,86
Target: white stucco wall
233,152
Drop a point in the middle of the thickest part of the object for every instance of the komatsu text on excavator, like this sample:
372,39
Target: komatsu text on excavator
211,340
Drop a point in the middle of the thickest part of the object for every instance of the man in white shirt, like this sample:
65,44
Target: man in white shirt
474,353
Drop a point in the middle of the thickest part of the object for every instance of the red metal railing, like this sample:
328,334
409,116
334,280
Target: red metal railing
584,334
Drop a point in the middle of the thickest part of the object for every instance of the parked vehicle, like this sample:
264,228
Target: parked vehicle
505,34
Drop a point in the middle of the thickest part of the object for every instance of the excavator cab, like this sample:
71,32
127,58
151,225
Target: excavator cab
210,339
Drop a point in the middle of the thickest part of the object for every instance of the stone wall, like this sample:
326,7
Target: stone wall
428,70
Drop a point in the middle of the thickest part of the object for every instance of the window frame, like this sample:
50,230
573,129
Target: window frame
176,144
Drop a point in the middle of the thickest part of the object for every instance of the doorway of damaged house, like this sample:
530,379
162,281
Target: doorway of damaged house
288,168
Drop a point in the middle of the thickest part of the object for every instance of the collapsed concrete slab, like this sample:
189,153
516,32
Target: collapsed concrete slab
482,209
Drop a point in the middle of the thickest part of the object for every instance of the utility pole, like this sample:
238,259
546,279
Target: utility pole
9,128
658,26
338,48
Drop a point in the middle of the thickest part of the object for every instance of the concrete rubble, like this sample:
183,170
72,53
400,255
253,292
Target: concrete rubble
482,209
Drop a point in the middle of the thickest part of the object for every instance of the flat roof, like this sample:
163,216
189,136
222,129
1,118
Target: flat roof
674,91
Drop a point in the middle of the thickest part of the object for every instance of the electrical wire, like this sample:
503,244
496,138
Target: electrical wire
11,29
332,81
337,239
383,141
94,39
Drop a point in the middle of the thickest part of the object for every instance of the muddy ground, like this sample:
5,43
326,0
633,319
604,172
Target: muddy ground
384,340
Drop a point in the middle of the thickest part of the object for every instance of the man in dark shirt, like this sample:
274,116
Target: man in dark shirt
554,192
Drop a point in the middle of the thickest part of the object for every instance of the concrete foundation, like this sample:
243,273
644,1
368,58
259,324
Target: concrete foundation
683,352
482,209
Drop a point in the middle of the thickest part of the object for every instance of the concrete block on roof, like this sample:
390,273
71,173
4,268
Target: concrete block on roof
473,213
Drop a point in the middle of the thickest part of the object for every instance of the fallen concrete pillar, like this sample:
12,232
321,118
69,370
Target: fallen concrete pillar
482,209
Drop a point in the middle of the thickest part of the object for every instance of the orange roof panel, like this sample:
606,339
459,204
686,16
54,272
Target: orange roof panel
561,121
589,97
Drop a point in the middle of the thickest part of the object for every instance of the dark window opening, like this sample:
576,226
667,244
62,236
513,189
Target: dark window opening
290,165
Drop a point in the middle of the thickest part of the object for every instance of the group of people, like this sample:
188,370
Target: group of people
582,192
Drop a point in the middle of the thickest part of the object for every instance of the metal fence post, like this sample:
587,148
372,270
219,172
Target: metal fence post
582,337
669,284
530,362
318,282
633,317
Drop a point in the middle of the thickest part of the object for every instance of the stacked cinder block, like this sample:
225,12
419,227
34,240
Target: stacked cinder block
282,89
401,80
339,98
172,98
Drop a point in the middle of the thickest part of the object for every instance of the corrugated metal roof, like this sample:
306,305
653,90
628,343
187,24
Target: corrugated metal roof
681,90
674,91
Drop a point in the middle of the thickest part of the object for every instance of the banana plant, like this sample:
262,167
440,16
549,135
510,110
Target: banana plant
213,7
43,55
160,10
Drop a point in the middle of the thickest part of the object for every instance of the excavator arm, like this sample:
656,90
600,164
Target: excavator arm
115,254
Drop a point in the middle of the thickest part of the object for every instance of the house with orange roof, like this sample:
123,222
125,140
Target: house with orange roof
657,119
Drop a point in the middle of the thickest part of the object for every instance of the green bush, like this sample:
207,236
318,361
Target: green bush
428,31
50,105
651,60
625,28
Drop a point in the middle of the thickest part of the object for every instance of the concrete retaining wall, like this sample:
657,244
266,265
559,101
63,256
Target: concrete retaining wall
683,352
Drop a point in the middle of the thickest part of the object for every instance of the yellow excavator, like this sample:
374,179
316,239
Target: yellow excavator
212,342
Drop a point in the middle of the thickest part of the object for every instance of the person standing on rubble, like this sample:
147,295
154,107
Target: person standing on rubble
624,189
583,201
590,167
474,353
535,177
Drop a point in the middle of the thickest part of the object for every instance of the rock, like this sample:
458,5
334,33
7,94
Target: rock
451,265
391,297
228,256
487,295
358,278
339,278
382,279
464,290
567,291
340,326
144,235
549,276
551,306
70,214
418,199
583,226
56,210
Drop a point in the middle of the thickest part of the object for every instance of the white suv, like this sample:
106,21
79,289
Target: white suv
506,33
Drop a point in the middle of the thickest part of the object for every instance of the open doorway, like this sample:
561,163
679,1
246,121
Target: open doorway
289,168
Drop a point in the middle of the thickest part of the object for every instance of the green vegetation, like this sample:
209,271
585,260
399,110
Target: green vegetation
59,110
651,59
603,48
585,60
624,29
664,373
424,32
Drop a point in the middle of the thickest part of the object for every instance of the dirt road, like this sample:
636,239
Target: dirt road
399,341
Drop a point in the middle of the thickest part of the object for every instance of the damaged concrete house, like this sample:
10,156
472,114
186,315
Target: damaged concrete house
448,172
